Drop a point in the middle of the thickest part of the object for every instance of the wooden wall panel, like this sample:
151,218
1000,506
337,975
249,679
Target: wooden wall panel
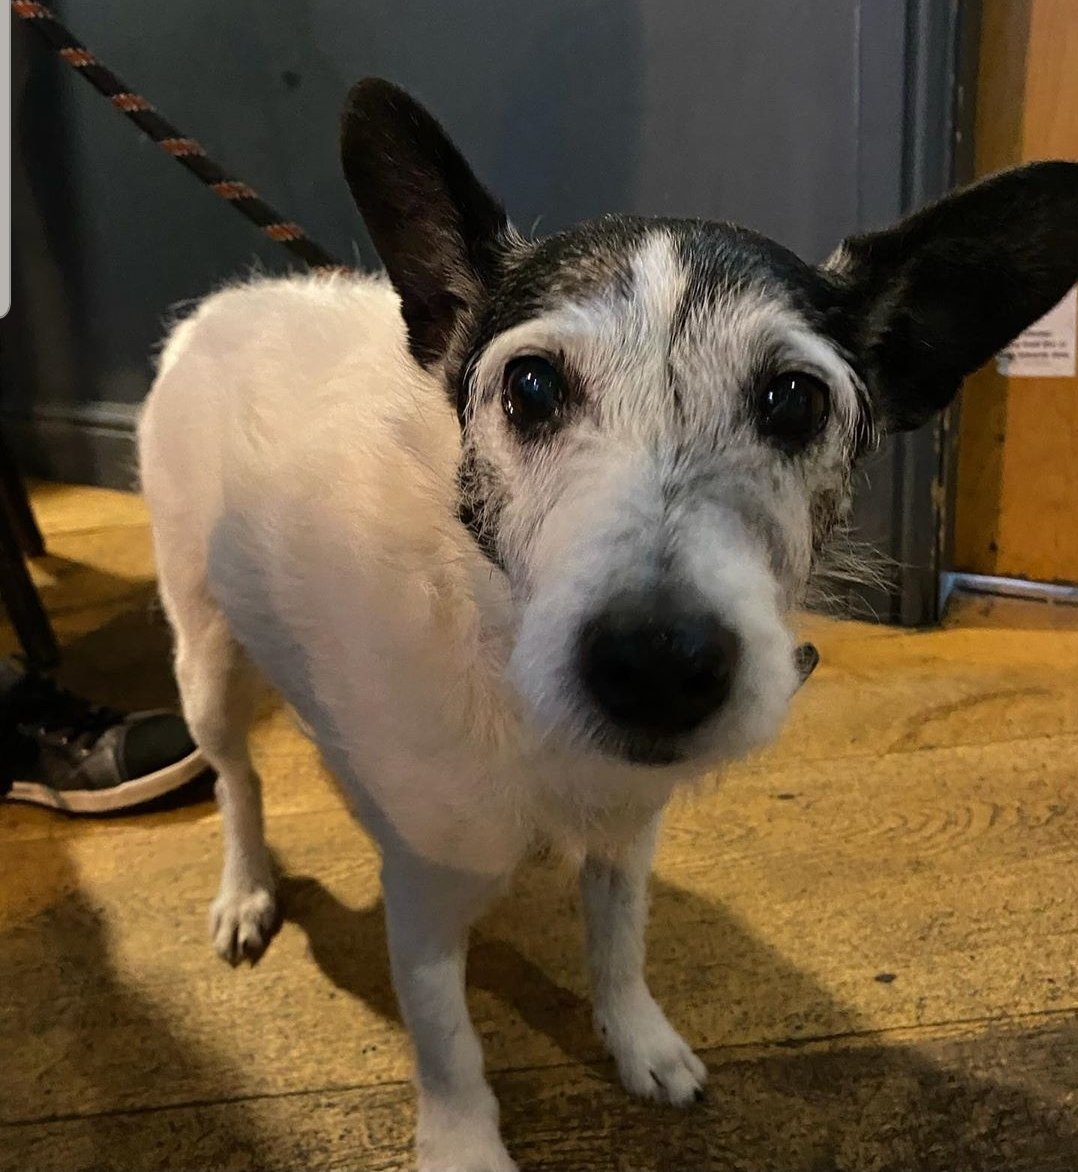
1017,500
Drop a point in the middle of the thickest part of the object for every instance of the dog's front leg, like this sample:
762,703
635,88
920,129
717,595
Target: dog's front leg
429,910
652,1058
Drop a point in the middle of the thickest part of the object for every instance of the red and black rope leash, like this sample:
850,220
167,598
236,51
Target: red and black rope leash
186,151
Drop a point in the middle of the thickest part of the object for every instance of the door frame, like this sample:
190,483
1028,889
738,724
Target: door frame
904,502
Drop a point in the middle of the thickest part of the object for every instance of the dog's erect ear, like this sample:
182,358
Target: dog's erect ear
439,233
925,303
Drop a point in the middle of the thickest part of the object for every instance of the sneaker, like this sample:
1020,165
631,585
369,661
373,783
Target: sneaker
61,751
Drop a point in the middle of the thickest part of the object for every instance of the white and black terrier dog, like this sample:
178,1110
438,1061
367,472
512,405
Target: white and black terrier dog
518,532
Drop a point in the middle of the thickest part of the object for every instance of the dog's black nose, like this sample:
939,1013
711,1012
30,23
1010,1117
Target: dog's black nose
659,669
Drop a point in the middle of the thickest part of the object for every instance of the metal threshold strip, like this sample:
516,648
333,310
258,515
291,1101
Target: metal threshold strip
1007,588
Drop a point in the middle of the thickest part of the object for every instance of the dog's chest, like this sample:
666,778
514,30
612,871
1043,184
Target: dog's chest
582,805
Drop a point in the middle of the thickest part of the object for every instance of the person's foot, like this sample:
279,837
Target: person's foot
59,750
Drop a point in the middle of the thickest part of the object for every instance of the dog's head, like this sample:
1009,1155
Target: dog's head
660,417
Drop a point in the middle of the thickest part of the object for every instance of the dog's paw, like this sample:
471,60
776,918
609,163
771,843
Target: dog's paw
242,921
461,1136
653,1060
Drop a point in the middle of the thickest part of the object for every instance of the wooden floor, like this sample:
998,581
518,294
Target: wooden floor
870,934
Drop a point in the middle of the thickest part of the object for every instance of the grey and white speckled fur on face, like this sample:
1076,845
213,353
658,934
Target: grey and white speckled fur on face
656,479
667,366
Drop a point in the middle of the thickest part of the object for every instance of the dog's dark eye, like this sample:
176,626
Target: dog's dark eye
792,409
534,392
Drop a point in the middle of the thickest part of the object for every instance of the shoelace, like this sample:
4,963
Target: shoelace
36,708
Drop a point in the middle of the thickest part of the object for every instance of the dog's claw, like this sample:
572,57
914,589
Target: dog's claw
653,1060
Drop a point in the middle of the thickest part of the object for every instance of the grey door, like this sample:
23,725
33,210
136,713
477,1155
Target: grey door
805,120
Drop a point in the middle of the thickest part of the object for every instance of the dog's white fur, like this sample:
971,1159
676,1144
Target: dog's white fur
300,470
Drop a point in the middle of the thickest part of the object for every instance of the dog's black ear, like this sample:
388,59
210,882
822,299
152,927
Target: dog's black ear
439,233
926,302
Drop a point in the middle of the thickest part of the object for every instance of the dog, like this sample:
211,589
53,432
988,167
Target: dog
517,529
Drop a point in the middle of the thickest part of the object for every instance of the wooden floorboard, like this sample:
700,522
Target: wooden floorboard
997,1099
870,932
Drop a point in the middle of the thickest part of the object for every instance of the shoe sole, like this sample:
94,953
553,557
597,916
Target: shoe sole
126,795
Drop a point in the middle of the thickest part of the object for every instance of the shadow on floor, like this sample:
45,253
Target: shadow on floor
944,1108
64,1046
126,660
116,646
1001,1099
349,946
995,1101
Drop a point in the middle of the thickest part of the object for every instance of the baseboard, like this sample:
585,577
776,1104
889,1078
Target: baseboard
85,444
1007,588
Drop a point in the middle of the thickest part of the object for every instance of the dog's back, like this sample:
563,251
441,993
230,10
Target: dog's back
263,375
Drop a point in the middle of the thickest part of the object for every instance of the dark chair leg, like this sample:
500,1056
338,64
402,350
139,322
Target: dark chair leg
21,600
16,504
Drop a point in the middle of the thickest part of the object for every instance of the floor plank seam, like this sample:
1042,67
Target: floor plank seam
191,1104
895,1032
753,768
712,1055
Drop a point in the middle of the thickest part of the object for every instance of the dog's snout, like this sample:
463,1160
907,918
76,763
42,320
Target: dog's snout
660,669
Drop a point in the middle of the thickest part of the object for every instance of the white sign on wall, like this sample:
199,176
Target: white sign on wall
1047,348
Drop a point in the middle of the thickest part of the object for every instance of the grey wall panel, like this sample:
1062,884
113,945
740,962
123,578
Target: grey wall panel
787,115
738,109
